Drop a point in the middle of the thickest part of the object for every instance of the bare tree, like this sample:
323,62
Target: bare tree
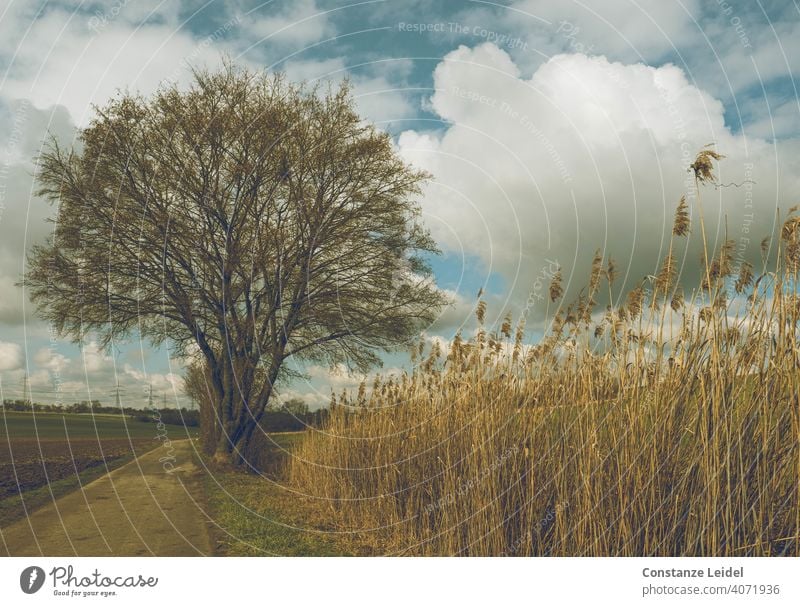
255,219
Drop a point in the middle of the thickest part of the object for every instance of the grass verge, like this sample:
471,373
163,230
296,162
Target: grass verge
256,515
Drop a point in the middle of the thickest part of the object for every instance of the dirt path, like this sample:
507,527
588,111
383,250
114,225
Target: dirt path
146,507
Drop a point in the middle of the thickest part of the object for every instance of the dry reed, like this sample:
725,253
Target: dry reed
662,426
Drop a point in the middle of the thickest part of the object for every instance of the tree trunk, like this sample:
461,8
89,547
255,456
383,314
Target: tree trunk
222,455
238,423
231,447
248,435
251,421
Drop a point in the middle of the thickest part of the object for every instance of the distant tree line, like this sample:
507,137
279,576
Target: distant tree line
292,415
171,416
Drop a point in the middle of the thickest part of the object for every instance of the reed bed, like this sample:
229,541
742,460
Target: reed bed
661,425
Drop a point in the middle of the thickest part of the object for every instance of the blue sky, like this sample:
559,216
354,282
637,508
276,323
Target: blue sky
552,129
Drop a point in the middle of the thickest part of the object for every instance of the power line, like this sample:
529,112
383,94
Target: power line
118,396
26,390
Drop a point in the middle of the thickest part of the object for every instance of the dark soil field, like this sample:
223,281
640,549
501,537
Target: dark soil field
46,455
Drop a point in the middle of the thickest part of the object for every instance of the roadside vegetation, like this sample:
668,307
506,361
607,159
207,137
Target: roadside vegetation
667,423
258,515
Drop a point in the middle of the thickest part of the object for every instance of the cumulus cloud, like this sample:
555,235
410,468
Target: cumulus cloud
160,382
62,374
73,66
458,315
296,24
378,88
742,53
620,28
749,50
49,359
321,380
585,154
10,356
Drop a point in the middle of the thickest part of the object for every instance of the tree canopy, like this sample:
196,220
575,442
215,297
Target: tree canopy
248,218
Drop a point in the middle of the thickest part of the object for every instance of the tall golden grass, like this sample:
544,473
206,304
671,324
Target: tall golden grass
659,426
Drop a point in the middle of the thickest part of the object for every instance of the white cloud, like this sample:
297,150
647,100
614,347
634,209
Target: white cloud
302,24
315,399
381,100
380,97
620,28
540,158
585,154
726,48
780,121
316,391
22,215
160,382
71,66
65,375
10,356
336,378
458,314
95,360
49,359
748,52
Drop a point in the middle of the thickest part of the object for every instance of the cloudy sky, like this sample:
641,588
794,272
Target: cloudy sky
552,129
